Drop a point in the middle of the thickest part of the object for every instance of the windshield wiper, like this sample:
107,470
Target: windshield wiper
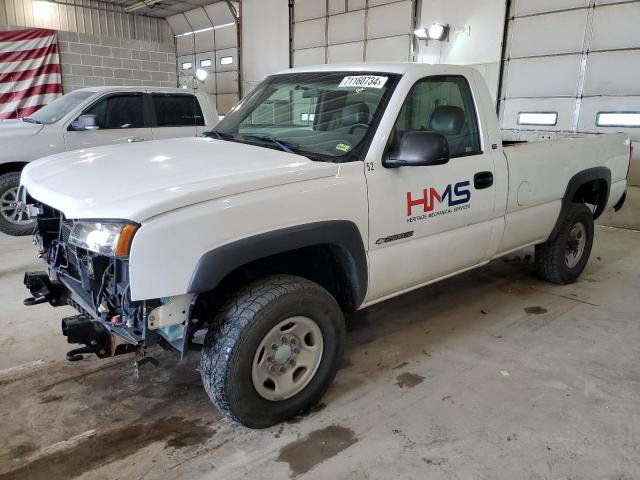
285,146
218,135
30,120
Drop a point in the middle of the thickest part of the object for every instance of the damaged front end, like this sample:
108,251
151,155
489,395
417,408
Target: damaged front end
88,269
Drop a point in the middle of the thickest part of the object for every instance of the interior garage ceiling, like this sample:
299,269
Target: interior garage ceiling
159,8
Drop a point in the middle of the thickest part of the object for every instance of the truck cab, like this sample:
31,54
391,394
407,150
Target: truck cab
91,117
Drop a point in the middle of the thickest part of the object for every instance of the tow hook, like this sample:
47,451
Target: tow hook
141,358
42,290
81,329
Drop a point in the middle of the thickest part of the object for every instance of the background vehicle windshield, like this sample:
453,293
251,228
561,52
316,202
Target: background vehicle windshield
60,107
326,115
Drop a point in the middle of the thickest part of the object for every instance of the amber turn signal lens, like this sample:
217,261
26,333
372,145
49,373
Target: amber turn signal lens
125,239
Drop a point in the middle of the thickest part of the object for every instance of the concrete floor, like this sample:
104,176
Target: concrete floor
490,375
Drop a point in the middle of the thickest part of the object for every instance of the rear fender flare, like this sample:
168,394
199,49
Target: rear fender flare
578,180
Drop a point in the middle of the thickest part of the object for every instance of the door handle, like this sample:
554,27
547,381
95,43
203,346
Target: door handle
482,180
135,139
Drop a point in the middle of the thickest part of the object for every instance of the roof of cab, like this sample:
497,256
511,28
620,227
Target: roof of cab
134,89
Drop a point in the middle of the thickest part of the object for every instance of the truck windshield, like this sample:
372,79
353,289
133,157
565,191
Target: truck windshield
327,116
58,108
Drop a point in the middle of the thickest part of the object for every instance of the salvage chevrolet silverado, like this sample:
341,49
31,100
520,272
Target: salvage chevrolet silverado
324,191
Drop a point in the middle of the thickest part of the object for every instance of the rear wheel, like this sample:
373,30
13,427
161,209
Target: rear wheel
563,259
14,220
272,351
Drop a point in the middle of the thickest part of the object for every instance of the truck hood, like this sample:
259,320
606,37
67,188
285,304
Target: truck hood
141,180
10,129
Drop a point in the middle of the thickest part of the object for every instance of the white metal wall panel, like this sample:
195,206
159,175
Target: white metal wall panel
392,49
227,82
309,56
229,52
335,7
182,59
373,3
563,106
356,4
308,9
198,19
219,14
346,52
544,76
204,41
348,27
613,73
568,34
310,34
592,106
226,37
184,45
616,26
530,7
390,20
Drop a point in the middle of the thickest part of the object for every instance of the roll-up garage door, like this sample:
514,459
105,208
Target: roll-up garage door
207,38
571,66
351,31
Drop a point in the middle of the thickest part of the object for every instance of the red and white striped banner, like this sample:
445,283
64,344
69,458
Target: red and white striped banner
30,74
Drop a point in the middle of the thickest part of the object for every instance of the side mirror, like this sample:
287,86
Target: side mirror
85,122
419,149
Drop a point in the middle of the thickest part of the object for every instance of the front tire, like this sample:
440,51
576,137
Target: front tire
272,350
13,219
562,259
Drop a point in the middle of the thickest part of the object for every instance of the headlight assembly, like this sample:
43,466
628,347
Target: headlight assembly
105,238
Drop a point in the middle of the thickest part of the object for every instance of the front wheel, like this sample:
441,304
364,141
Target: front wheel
563,259
272,350
14,219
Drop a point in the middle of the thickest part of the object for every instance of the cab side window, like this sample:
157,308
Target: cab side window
118,112
442,104
177,110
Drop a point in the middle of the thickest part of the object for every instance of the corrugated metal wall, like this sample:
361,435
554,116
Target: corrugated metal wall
84,16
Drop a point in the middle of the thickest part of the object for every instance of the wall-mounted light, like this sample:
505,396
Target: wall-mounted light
42,10
437,31
201,75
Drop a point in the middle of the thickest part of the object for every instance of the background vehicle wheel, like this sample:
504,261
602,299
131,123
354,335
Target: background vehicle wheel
13,220
272,350
563,259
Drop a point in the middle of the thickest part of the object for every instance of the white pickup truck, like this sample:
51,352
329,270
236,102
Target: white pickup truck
324,191
91,117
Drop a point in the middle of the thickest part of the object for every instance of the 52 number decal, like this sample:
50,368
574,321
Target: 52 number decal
370,167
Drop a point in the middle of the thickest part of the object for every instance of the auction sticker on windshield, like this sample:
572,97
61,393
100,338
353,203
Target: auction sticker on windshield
366,81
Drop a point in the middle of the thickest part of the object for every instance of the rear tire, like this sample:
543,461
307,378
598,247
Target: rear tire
250,374
13,221
562,259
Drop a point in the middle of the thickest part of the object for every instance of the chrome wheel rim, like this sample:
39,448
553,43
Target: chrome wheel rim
11,209
287,358
575,245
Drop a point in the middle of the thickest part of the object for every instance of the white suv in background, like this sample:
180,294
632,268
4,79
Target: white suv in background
92,117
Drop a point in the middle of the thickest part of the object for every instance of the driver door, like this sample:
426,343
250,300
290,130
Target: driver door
120,118
427,222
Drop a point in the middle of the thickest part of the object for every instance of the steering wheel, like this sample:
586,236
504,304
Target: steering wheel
358,125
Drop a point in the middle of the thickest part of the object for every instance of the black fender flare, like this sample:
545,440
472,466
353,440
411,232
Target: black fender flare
216,264
578,180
